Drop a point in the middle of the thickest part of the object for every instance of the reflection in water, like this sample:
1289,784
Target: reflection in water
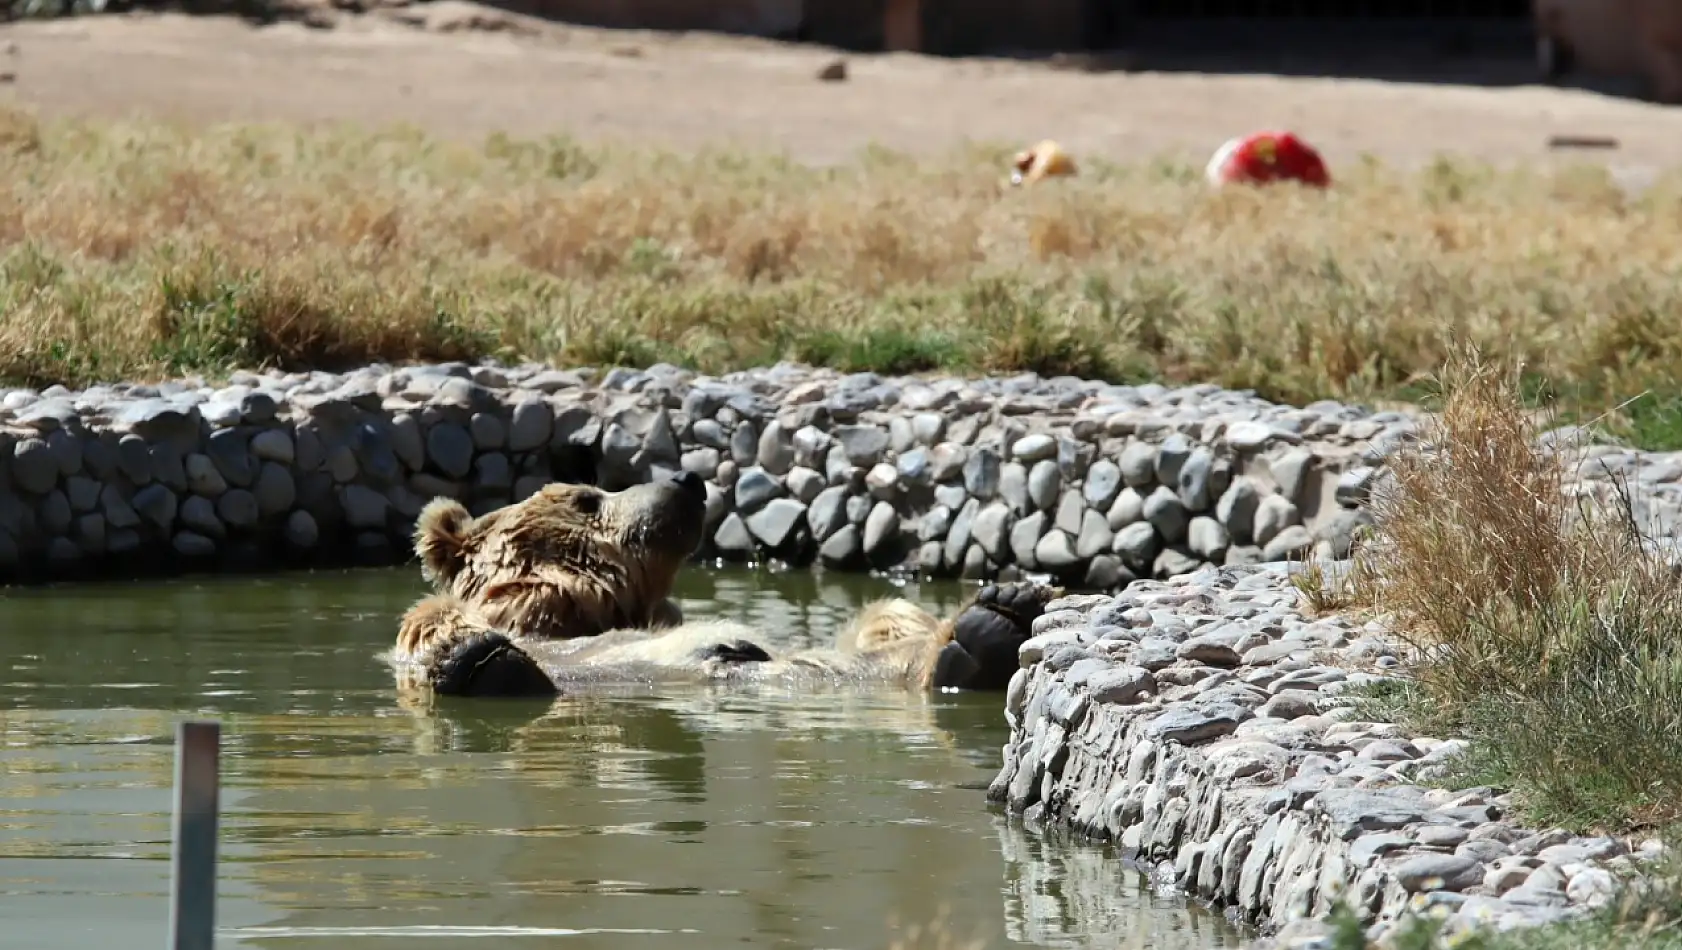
1057,895
633,818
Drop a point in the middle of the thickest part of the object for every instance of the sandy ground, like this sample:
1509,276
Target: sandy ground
454,77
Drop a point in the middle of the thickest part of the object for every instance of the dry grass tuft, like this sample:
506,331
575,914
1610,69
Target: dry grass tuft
1324,592
1476,525
131,250
1552,634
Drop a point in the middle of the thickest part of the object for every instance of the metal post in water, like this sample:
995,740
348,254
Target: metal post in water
192,888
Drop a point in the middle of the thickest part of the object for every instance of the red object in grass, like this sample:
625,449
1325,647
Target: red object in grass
1264,157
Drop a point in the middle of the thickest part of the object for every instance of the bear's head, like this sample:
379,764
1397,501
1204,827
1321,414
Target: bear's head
569,561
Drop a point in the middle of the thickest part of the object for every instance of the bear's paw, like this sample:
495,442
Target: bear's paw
988,634
735,651
489,664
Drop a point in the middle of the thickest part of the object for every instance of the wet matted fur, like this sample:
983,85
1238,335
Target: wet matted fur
573,585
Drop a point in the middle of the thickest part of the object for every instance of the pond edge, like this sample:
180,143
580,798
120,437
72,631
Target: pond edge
1204,726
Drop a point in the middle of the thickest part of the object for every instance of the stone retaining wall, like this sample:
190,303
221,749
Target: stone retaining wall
1202,724
1094,484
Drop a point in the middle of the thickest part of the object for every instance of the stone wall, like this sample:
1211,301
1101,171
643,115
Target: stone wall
1203,725
1092,483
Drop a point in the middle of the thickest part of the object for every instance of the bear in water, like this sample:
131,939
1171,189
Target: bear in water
573,584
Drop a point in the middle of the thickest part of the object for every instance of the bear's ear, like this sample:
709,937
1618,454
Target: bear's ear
441,539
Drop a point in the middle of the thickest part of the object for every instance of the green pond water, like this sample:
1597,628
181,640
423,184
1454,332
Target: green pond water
640,819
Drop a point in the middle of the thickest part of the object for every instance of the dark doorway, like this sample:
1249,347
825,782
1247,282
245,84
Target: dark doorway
1484,42
1329,9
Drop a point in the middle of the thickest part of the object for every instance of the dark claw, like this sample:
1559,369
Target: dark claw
736,651
954,667
489,664
988,634
1024,601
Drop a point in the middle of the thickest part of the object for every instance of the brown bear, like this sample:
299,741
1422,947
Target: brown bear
573,584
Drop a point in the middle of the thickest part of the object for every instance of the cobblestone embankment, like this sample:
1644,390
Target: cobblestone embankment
1203,724
1092,483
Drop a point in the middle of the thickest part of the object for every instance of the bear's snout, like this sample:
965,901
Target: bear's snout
690,483
670,514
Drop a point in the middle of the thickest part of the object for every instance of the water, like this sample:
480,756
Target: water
670,819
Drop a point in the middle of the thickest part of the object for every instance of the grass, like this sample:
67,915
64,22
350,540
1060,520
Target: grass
143,250
1546,631
1324,593
1549,635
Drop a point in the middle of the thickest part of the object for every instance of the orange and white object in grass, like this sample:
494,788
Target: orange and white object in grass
1045,160
1263,157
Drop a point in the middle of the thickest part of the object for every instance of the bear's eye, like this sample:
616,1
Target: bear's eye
588,502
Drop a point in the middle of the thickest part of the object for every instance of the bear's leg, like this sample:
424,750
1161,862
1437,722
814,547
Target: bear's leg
666,613
432,621
888,623
986,635
460,655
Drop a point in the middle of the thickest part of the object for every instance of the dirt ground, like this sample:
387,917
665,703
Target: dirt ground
463,71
